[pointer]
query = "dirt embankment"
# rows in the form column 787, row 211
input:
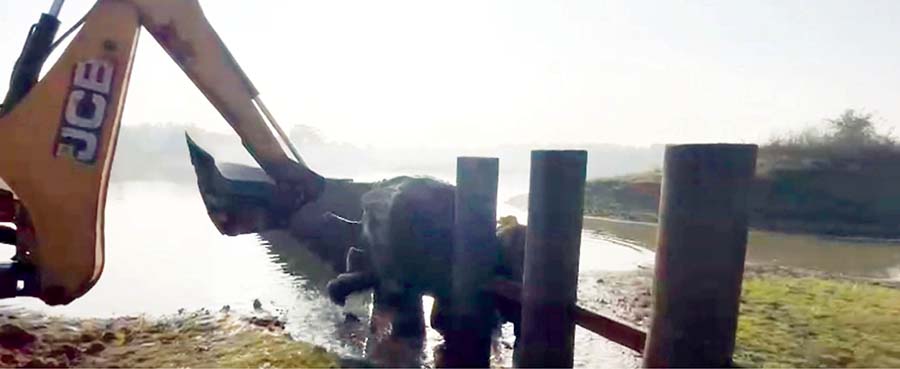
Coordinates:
column 197, row 339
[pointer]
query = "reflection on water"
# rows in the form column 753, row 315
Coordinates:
column 163, row 254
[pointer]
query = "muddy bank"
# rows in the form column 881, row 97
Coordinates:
column 789, row 317
column 627, row 295
column 195, row 339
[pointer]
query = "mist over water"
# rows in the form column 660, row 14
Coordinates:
column 159, row 152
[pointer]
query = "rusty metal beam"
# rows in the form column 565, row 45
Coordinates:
column 610, row 328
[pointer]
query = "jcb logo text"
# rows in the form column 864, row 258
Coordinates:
column 85, row 111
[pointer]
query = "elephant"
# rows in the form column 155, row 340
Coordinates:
column 405, row 250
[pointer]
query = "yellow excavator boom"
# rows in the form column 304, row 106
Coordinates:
column 58, row 142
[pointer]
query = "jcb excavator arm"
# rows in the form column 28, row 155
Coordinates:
column 183, row 31
column 58, row 142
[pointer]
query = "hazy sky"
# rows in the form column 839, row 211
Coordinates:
column 477, row 73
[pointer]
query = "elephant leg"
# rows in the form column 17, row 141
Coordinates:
column 440, row 316
column 405, row 308
column 510, row 311
column 348, row 283
column 409, row 320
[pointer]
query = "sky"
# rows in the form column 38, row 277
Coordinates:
column 485, row 73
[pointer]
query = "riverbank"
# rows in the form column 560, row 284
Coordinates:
column 832, row 201
column 196, row 339
column 790, row 317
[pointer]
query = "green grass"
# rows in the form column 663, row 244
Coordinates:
column 805, row 322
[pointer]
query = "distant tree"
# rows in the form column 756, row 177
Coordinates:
column 851, row 129
column 808, row 137
column 855, row 129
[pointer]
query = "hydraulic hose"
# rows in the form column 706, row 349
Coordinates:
column 28, row 67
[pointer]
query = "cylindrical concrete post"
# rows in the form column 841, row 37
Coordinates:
column 555, row 205
column 701, row 246
column 475, row 252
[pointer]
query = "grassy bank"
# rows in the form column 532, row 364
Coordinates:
column 789, row 317
column 811, row 322
column 199, row 339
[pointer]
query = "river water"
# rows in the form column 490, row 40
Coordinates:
column 860, row 257
column 163, row 254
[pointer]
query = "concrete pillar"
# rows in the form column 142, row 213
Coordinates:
column 700, row 254
column 475, row 253
column 549, row 286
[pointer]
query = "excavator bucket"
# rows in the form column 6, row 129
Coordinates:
column 238, row 198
